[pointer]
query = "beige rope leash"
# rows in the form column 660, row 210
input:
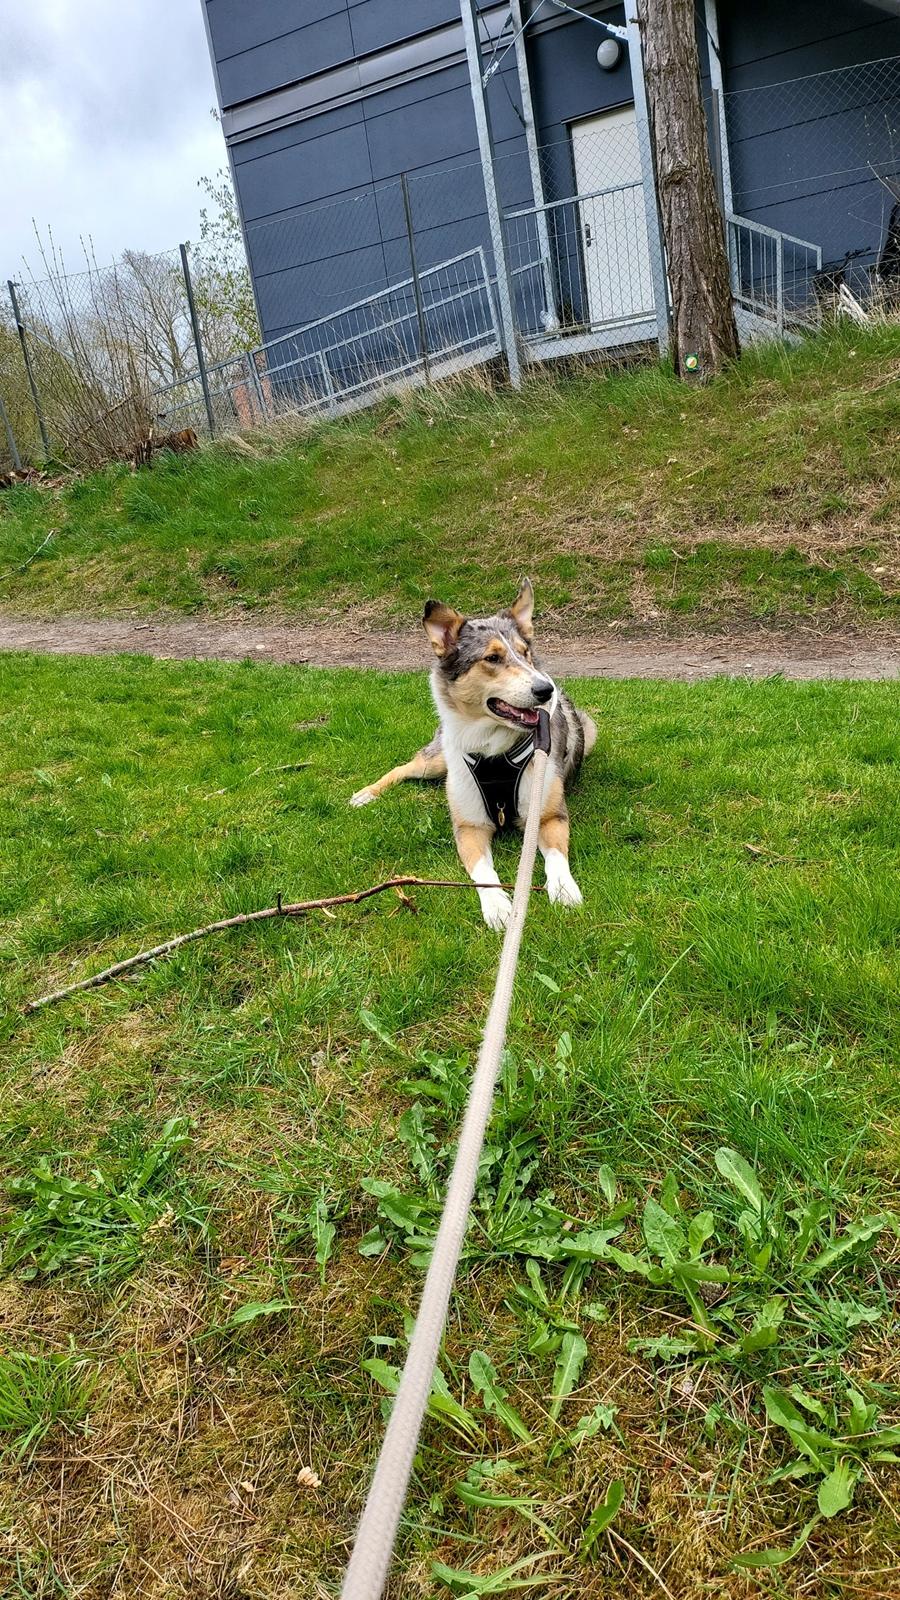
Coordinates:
column 368, row 1568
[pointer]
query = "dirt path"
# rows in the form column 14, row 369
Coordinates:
column 606, row 654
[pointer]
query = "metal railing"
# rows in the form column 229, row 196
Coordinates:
column 592, row 288
column 440, row 321
column 430, row 322
column 773, row 274
column 232, row 394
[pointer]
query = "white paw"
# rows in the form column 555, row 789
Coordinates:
column 564, row 892
column 495, row 908
column 561, row 886
column 362, row 797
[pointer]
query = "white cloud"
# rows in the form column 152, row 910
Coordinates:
column 106, row 126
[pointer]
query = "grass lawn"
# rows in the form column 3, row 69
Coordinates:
column 773, row 492
column 222, row 1178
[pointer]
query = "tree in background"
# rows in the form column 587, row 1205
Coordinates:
column 222, row 286
column 112, row 347
column 704, row 334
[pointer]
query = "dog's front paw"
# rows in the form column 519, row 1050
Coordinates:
column 561, row 886
column 362, row 797
column 495, row 908
column 565, row 893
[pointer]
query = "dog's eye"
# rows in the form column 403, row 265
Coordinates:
column 494, row 658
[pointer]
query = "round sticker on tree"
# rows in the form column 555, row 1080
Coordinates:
column 691, row 363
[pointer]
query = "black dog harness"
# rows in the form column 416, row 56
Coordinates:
column 498, row 779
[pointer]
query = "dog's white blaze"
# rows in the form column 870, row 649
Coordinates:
column 561, row 886
column 526, row 666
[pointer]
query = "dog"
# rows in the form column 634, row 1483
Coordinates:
column 488, row 687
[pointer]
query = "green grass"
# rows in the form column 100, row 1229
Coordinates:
column 730, row 985
column 773, row 492
column 38, row 1394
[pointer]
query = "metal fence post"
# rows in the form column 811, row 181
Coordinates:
column 257, row 385
column 469, row 15
column 198, row 343
column 252, row 406
column 328, row 384
column 20, row 328
column 551, row 320
column 10, row 437
column 717, row 85
column 648, row 168
column 417, row 287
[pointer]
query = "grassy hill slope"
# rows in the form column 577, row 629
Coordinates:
column 626, row 496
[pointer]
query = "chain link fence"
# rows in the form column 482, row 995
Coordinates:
column 581, row 258
column 20, row 439
column 819, row 157
column 93, row 349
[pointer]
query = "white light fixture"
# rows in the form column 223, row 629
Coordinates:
column 609, row 54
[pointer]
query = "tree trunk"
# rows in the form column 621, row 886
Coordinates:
column 704, row 335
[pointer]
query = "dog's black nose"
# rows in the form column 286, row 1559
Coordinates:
column 543, row 691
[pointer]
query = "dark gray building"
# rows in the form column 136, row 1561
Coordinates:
column 327, row 103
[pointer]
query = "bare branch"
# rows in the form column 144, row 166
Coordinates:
column 297, row 909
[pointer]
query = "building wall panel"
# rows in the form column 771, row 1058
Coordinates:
column 239, row 25
column 299, row 54
column 377, row 23
column 312, row 170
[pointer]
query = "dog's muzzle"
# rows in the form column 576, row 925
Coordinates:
column 544, row 694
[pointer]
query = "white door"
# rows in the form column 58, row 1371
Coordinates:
column 613, row 225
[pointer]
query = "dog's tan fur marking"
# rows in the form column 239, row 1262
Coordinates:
column 473, row 842
column 504, row 680
column 554, row 834
column 522, row 609
column 425, row 766
column 442, row 624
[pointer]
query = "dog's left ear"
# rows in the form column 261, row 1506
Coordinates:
column 522, row 609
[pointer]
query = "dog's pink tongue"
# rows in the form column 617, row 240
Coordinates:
column 518, row 713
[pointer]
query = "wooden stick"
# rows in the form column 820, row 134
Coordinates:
column 297, row 909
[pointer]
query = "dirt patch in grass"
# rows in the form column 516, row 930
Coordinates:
column 795, row 652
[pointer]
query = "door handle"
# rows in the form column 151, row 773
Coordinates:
column 588, row 236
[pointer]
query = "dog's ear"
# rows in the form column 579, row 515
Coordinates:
column 522, row 609
column 442, row 625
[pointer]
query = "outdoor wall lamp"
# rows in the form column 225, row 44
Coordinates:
column 609, row 54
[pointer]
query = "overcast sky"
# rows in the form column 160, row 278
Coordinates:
column 105, row 126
